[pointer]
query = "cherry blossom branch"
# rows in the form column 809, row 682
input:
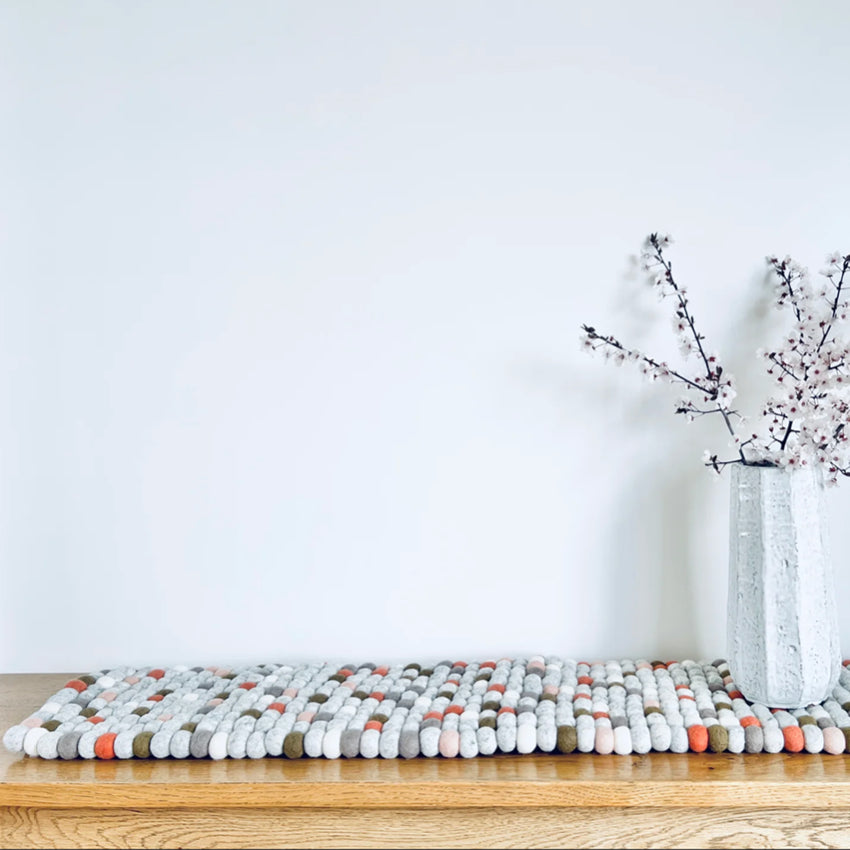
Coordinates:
column 845, row 265
column 806, row 421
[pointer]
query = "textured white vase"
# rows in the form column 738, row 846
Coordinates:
column 783, row 639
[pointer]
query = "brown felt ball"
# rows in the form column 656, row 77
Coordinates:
column 489, row 722
column 807, row 720
column 51, row 725
column 718, row 738
column 188, row 727
column 89, row 680
column 88, row 712
column 251, row 712
column 337, row 677
column 491, row 706
column 379, row 718
column 293, row 745
column 360, row 695
column 567, row 739
column 142, row 745
column 319, row 698
column 580, row 711
column 141, row 711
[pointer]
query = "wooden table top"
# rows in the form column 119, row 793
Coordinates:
column 586, row 780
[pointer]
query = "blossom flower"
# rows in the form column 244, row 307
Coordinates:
column 805, row 421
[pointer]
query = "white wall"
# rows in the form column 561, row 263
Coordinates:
column 290, row 302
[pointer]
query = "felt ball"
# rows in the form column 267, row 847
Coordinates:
column 698, row 738
column 774, row 740
column 429, row 741
column 737, row 739
column 388, row 745
column 506, row 734
column 198, row 744
column 833, row 740
column 408, row 745
column 794, row 740
column 526, row 735
column 547, row 737
column 753, row 738
column 679, row 742
column 350, row 742
column 141, row 744
column 370, row 741
column 567, row 739
column 47, row 746
column 179, row 745
column 718, row 738
column 13, row 739
column 604, row 740
column 487, row 744
column 622, row 740
column 449, row 743
column 104, row 746
column 813, row 740
column 331, row 741
column 160, row 745
column 217, row 745
column 313, row 740
column 641, row 740
column 468, row 743
column 86, row 744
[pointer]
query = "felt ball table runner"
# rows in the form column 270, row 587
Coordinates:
column 448, row 709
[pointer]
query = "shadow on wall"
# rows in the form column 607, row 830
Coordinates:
column 667, row 510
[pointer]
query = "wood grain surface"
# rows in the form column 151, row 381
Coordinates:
column 404, row 828
column 656, row 800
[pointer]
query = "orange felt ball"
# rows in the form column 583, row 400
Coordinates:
column 794, row 740
column 698, row 738
column 104, row 746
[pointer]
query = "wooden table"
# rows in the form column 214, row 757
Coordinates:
column 656, row 800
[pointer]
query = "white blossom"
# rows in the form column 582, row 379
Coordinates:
column 806, row 420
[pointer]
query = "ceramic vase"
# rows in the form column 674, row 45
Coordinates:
column 782, row 628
